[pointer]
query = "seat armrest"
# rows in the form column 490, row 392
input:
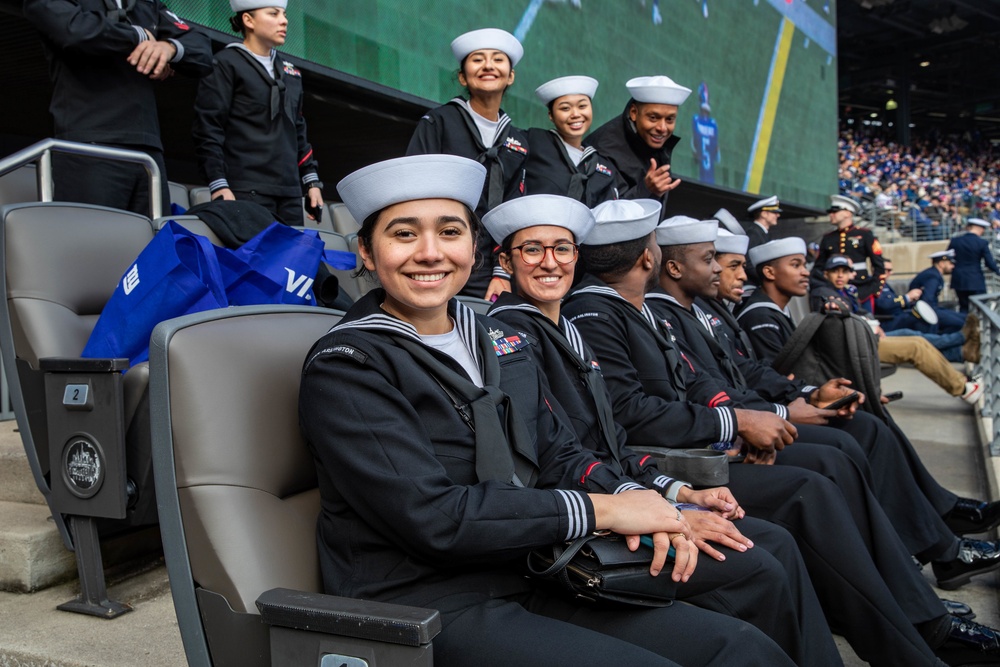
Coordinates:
column 349, row 617
column 81, row 365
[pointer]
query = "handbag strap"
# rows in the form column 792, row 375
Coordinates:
column 563, row 559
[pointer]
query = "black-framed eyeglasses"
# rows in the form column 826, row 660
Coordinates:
column 534, row 253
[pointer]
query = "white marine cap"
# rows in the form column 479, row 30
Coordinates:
column 383, row 184
column 682, row 230
column 729, row 242
column 727, row 220
column 487, row 38
column 792, row 245
column 249, row 5
column 942, row 253
column 657, row 90
column 842, row 203
column 622, row 220
column 566, row 85
column 978, row 222
column 768, row 204
column 533, row 210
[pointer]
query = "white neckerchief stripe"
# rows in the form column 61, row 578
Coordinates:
column 576, row 514
column 573, row 336
column 764, row 304
column 705, row 320
column 465, row 323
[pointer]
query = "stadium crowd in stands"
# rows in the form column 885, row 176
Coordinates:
column 928, row 188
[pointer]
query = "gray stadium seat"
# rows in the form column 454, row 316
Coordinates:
column 343, row 222
column 798, row 308
column 478, row 305
column 20, row 185
column 62, row 262
column 179, row 195
column 199, row 195
column 192, row 223
column 238, row 501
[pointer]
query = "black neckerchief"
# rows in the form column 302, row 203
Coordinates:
column 569, row 341
column 277, row 83
column 489, row 156
column 504, row 448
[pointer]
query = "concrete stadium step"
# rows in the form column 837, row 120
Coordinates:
column 16, row 481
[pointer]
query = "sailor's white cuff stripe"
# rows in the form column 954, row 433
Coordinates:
column 780, row 410
column 629, row 486
column 727, row 424
column 500, row 273
column 576, row 512
column 674, row 489
column 180, row 51
column 218, row 184
column 662, row 481
column 142, row 34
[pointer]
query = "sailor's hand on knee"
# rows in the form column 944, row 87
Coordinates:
column 685, row 557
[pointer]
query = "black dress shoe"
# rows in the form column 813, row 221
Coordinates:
column 969, row 643
column 974, row 557
column 973, row 516
column 956, row 608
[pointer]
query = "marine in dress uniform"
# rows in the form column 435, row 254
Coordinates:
column 931, row 281
column 559, row 165
column 249, row 130
column 971, row 252
column 643, row 133
column 438, row 506
column 655, row 400
column 100, row 97
column 456, row 129
column 860, row 245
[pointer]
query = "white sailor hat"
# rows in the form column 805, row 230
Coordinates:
column 837, row 261
column 682, row 230
column 533, row 210
column 727, row 220
column 249, row 5
column 768, row 204
column 657, row 90
column 383, row 184
column 842, row 203
column 729, row 242
column 941, row 254
column 566, row 85
column 622, row 220
column 487, row 38
column 792, row 245
column 978, row 222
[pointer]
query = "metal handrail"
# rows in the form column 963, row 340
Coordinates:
column 41, row 153
column 985, row 306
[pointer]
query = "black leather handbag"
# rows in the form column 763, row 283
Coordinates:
column 599, row 568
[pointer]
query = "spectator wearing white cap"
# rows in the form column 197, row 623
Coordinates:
column 663, row 399
column 249, row 128
column 931, row 283
column 437, row 507
column 971, row 252
column 640, row 141
column 559, row 163
column 860, row 245
column 477, row 128
column 764, row 214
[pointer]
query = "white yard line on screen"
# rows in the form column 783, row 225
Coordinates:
column 521, row 31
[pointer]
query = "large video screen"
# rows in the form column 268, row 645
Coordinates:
column 761, row 117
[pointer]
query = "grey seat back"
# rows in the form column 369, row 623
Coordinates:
column 192, row 223
column 345, row 277
column 20, row 185
column 200, row 195
column 236, row 485
column 343, row 222
column 62, row 263
column 179, row 195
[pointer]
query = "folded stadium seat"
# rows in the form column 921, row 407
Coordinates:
column 20, row 185
column 326, row 222
column 84, row 426
column 343, row 222
column 475, row 303
column 199, row 196
column 798, row 308
column 238, row 498
column 179, row 195
column 366, row 282
column 192, row 223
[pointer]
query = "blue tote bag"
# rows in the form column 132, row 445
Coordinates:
column 277, row 266
column 176, row 273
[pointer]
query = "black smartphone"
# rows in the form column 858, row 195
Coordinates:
column 315, row 212
column 893, row 396
column 843, row 402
